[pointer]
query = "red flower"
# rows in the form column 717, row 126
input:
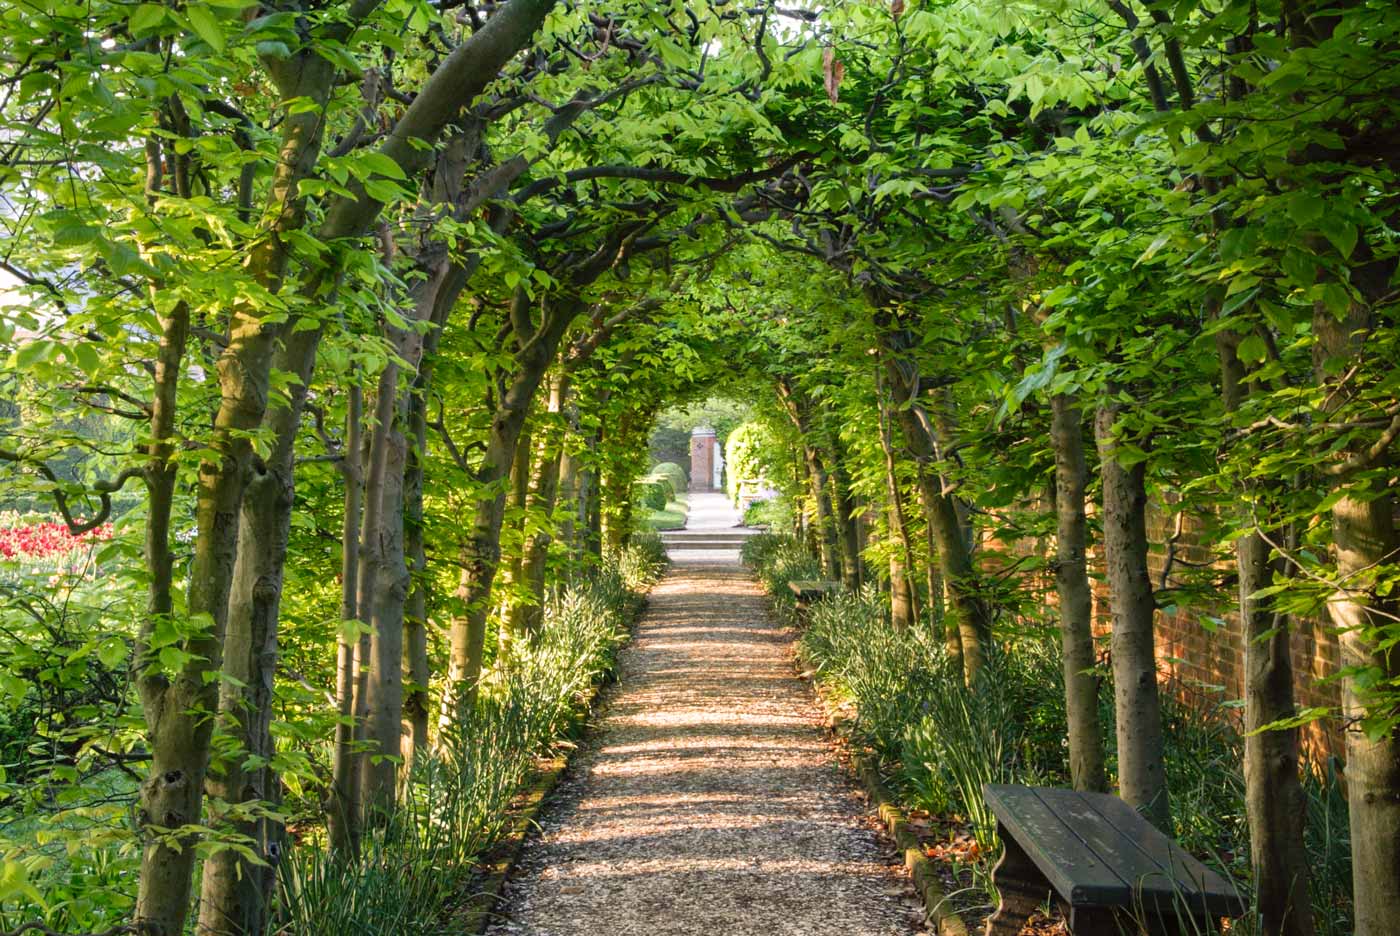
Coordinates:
column 42, row 540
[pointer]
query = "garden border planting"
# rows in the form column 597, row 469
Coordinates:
column 937, row 909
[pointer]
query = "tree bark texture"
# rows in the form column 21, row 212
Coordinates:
column 1142, row 780
column 904, row 610
column 844, row 502
column 342, row 802
column 1275, row 804
column 1086, row 742
column 1364, row 540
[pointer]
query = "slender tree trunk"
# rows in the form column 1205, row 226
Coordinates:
column 971, row 615
column 232, row 896
column 384, row 574
column 481, row 553
column 527, row 615
column 415, row 701
column 342, row 804
column 825, row 523
column 1142, row 778
column 384, row 691
column 161, row 478
column 1086, row 743
column 904, row 610
column 1276, row 806
column 1365, row 542
column 616, row 500
column 571, row 495
column 938, row 599
column 844, row 503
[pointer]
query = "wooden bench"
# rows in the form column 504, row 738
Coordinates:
column 1110, row 869
column 810, row 591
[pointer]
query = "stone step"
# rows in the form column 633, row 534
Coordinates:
column 704, row 544
column 681, row 536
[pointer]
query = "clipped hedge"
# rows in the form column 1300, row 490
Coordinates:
column 672, row 472
column 653, row 494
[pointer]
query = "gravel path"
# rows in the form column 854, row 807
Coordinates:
column 709, row 802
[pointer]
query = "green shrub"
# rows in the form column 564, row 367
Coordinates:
column 643, row 560
column 672, row 472
column 776, row 560
column 654, row 495
column 774, row 513
column 745, row 455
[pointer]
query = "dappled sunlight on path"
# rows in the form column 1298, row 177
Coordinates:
column 709, row 802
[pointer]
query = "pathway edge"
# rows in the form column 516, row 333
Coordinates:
column 938, row 910
column 480, row 907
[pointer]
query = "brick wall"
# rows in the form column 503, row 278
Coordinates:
column 1200, row 644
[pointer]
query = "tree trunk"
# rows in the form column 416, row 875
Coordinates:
column 415, row 703
column 1276, row 806
column 232, row 892
column 904, row 610
column 970, row 614
column 481, row 553
column 845, row 505
column 161, row 478
column 1142, row 778
column 825, row 523
column 527, row 615
column 1086, row 743
column 1365, row 542
column 384, row 693
column 343, row 802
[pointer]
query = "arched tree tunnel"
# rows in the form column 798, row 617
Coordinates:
column 1065, row 334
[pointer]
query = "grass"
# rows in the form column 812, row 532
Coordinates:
column 673, row 517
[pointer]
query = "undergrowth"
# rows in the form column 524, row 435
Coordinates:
column 939, row 741
column 415, row 869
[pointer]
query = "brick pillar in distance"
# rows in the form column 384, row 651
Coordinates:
column 702, row 458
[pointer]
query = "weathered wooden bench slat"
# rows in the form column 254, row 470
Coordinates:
column 1073, row 870
column 1101, row 858
column 808, row 591
column 1179, row 873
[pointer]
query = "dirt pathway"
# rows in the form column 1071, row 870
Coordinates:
column 709, row 802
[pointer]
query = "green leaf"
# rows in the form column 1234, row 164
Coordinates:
column 112, row 651
column 1340, row 231
column 146, row 17
column 1305, row 208
column 379, row 164
column 339, row 56
column 172, row 658
column 206, row 26
column 1252, row 350
column 1157, row 244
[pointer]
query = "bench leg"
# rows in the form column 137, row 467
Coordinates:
column 1172, row 925
column 1100, row 921
column 1022, row 888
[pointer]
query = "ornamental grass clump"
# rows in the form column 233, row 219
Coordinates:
column 416, row 865
column 643, row 560
column 777, row 560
